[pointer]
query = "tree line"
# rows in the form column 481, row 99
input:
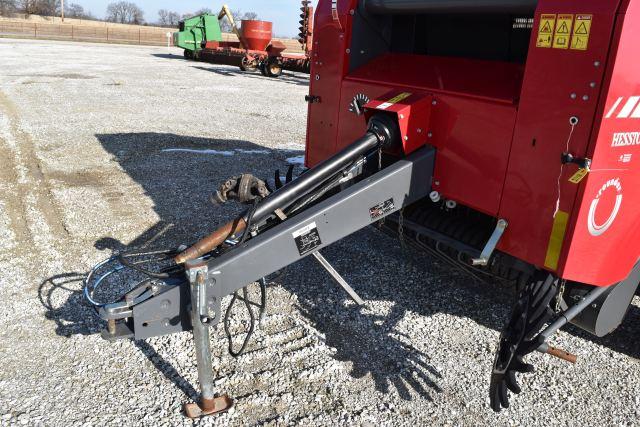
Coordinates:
column 43, row 7
column 123, row 12
column 170, row 18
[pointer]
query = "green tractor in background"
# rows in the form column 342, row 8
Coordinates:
column 194, row 32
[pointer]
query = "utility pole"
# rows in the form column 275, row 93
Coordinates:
column 62, row 9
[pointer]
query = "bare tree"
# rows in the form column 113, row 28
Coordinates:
column 124, row 12
column 168, row 18
column 202, row 11
column 250, row 15
column 198, row 12
column 74, row 10
column 225, row 26
column 39, row 7
column 7, row 7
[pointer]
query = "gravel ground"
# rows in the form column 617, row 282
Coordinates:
column 102, row 147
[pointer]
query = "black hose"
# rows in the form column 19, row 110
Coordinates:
column 165, row 273
column 252, row 322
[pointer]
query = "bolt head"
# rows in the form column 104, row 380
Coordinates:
column 574, row 96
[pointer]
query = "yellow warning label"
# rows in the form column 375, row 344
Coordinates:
column 394, row 100
column 581, row 32
column 545, row 32
column 579, row 175
column 398, row 98
column 554, row 249
column 564, row 24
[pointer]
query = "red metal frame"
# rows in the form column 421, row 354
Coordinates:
column 500, row 130
column 230, row 53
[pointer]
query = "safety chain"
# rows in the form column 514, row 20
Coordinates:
column 401, row 230
column 560, row 295
column 381, row 222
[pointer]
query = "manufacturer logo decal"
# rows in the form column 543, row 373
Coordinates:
column 625, row 110
column 625, row 158
column 624, row 139
column 599, row 229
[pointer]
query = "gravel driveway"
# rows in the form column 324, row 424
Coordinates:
column 104, row 147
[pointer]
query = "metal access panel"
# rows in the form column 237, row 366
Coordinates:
column 350, row 210
column 565, row 73
column 603, row 240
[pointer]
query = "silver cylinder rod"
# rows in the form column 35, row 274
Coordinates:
column 572, row 312
column 409, row 7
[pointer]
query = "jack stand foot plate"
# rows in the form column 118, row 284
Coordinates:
column 213, row 406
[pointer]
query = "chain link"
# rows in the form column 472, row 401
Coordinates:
column 560, row 295
column 381, row 222
column 401, row 230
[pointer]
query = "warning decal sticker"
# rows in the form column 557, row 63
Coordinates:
column 545, row 32
column 307, row 238
column 381, row 209
column 564, row 25
column 579, row 176
column 581, row 32
column 394, row 100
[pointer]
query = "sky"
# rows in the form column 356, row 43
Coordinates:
column 283, row 13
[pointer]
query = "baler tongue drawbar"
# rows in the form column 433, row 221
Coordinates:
column 182, row 289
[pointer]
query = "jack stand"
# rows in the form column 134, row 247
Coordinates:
column 209, row 405
column 338, row 278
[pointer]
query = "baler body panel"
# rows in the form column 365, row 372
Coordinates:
column 557, row 86
column 500, row 127
column 467, row 122
column 605, row 241
column 328, row 67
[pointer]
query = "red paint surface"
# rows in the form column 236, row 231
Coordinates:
column 500, row 129
column 256, row 34
column 545, row 107
column 608, row 257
